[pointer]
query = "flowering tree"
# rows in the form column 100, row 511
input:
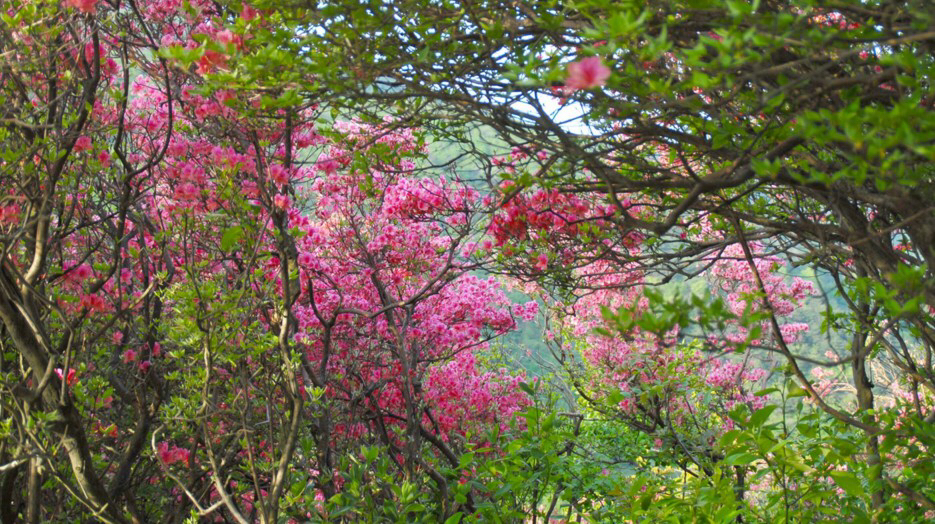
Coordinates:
column 209, row 303
column 797, row 130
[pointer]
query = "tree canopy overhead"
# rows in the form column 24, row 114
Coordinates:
column 713, row 105
column 804, row 127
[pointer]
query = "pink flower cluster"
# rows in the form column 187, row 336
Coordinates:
column 9, row 214
column 732, row 274
column 382, row 264
column 469, row 400
column 85, row 6
column 170, row 455
column 587, row 73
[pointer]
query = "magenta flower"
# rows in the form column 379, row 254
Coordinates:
column 225, row 37
column 85, row 6
column 187, row 191
column 82, row 144
column 79, row 274
column 542, row 262
column 248, row 13
column 69, row 377
column 279, row 174
column 171, row 455
column 587, row 73
column 305, row 259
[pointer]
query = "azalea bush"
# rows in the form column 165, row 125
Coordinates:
column 722, row 140
column 211, row 303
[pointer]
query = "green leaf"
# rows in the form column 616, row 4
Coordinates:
column 761, row 415
column 764, row 392
column 740, row 459
column 465, row 460
column 796, row 391
column 849, row 482
column 230, row 237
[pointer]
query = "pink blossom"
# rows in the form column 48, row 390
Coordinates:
column 329, row 166
column 129, row 356
column 187, row 191
column 281, row 201
column 9, row 214
column 210, row 61
column 171, row 455
column 279, row 174
column 93, row 303
column 248, row 13
column 85, row 6
column 89, row 51
column 82, row 144
column 587, row 73
column 225, row 37
column 79, row 274
column 70, row 378
column 527, row 311
column 542, row 262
